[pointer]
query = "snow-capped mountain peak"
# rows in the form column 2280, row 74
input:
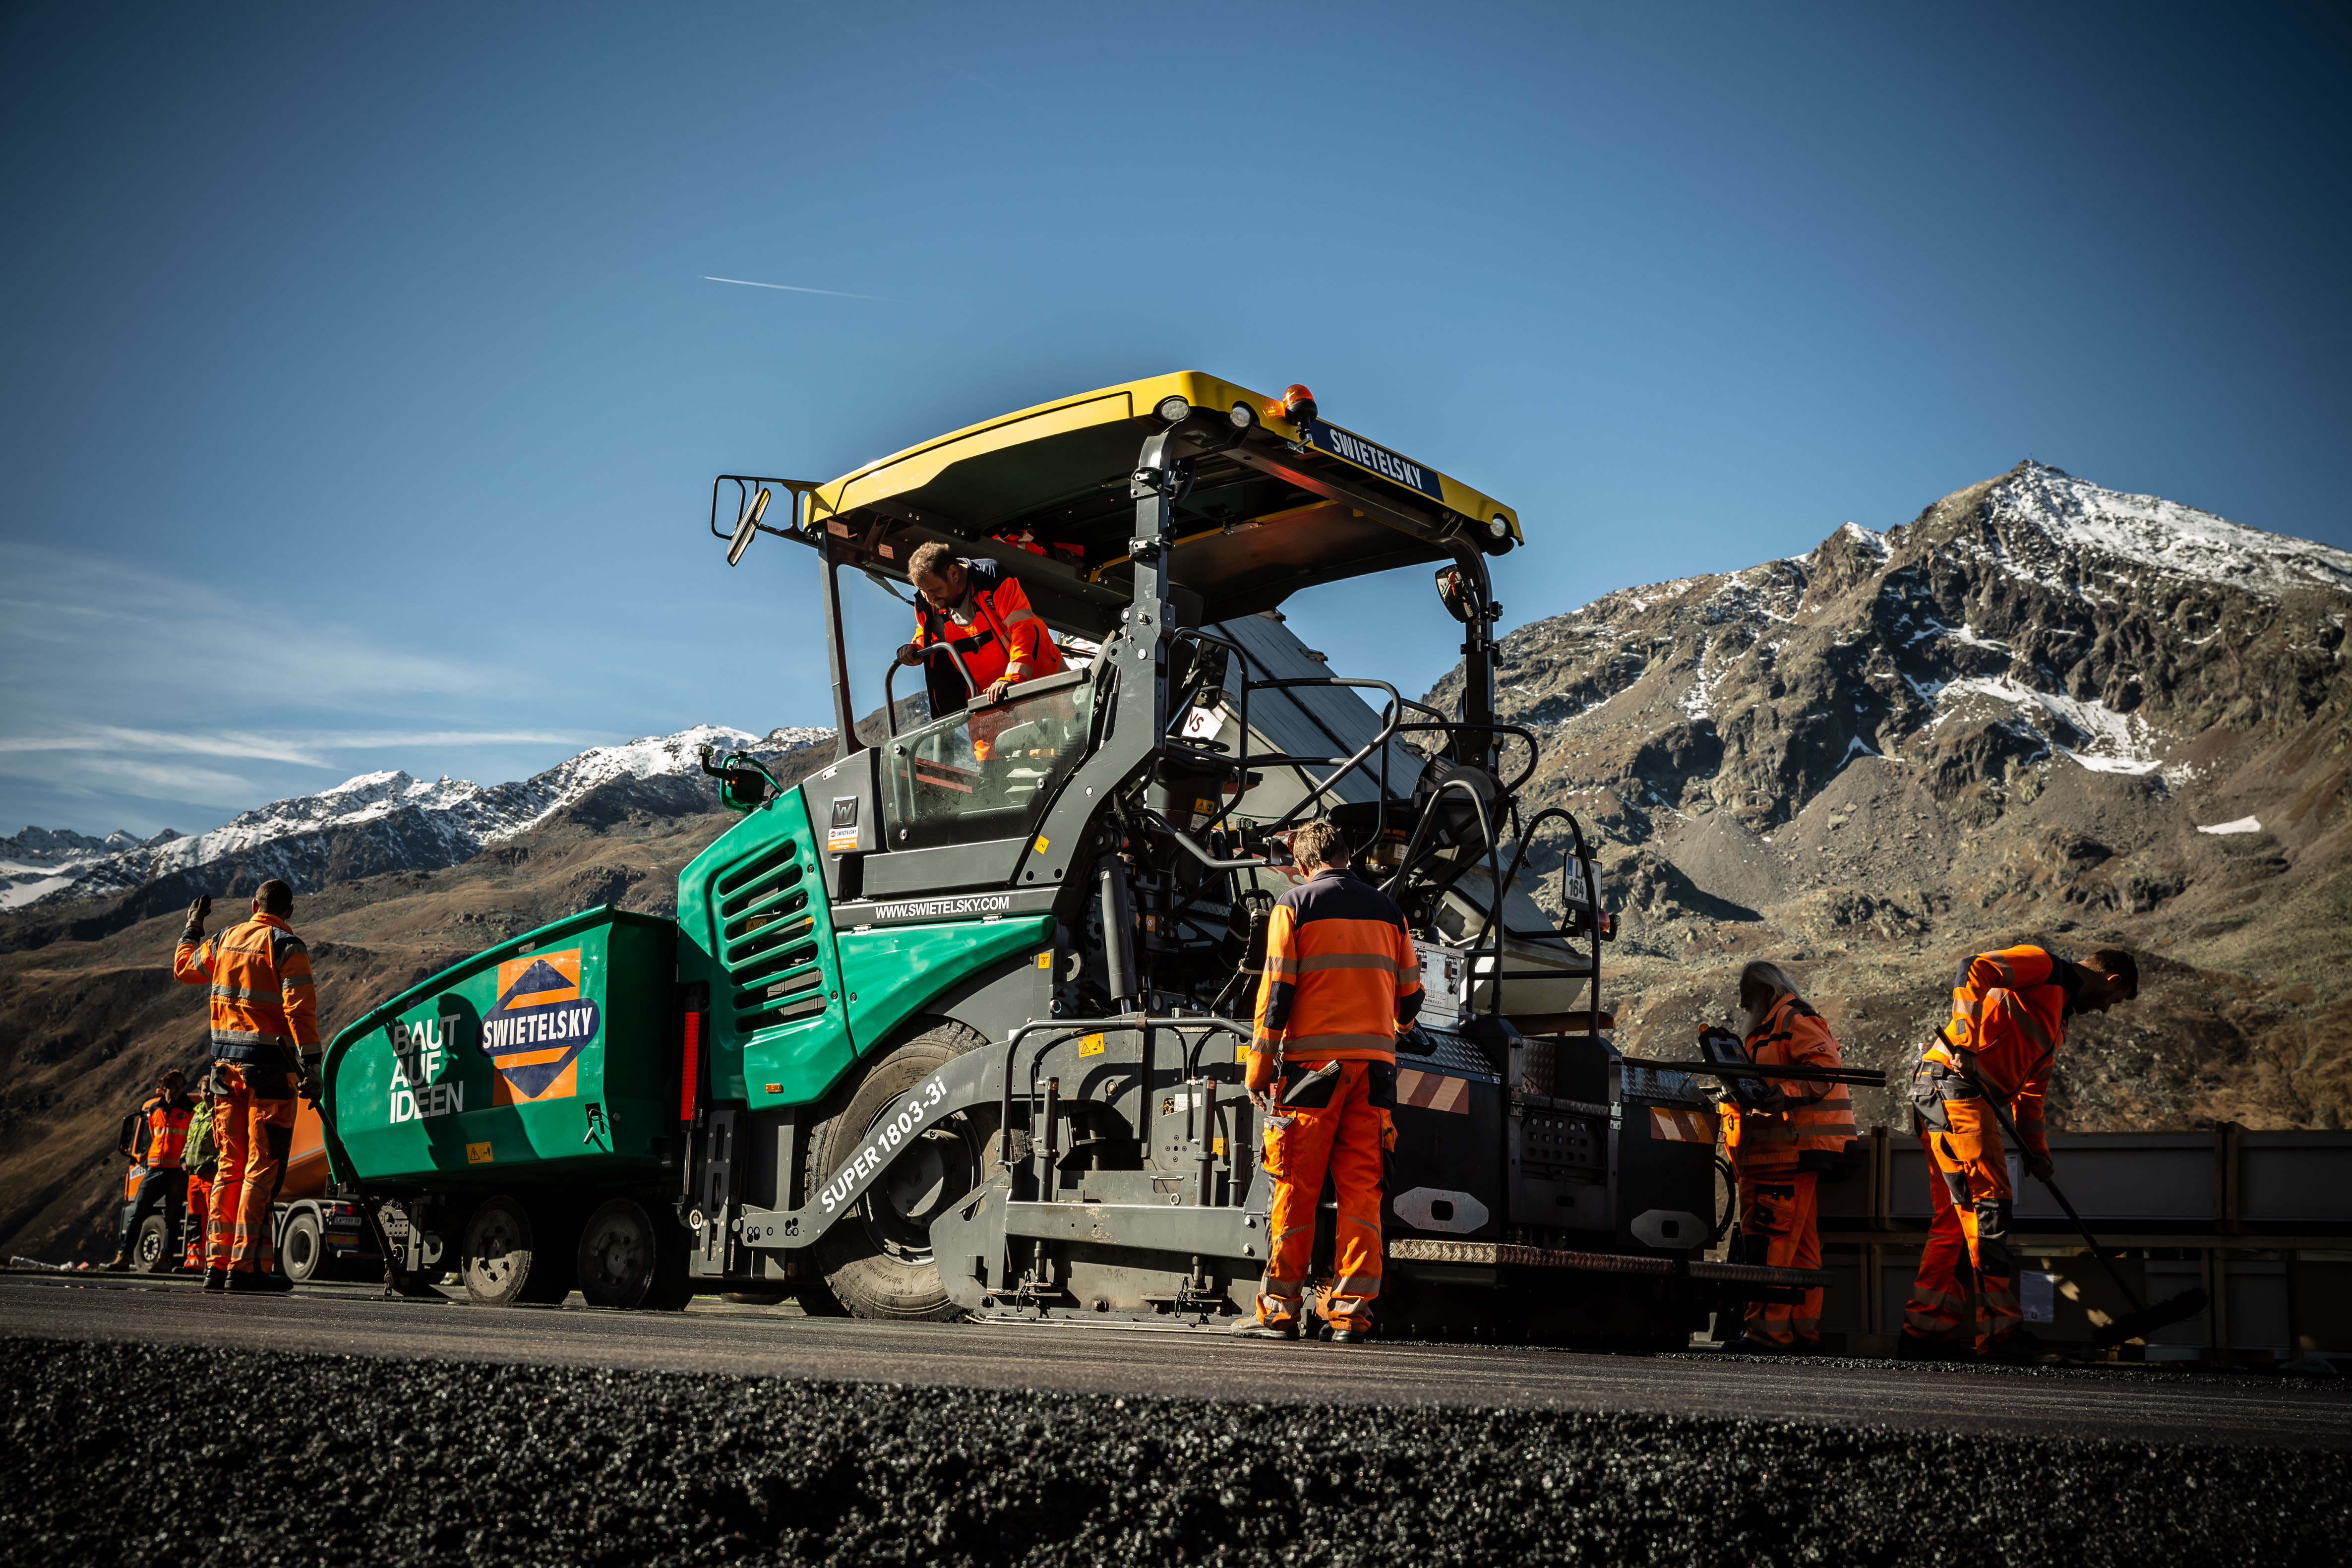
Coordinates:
column 2077, row 515
column 406, row 821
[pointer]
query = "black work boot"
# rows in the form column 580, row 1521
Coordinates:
column 215, row 1279
column 1251, row 1329
column 258, row 1284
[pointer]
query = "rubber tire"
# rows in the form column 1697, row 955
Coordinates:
column 859, row 1274
column 150, row 1248
column 617, row 1256
column 302, row 1250
column 502, row 1261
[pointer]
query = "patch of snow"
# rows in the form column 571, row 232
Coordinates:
column 2107, row 742
column 2244, row 825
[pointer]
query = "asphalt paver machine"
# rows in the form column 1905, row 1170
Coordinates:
column 953, row 1025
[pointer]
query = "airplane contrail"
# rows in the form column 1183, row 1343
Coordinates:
column 791, row 288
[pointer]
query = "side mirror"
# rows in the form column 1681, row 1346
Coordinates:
column 747, row 525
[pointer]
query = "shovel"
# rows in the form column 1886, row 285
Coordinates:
column 2140, row 1321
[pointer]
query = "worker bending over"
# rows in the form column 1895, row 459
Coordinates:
column 159, row 1184
column 975, row 630
column 1780, row 1144
column 1342, row 978
column 265, row 1032
column 2009, row 1017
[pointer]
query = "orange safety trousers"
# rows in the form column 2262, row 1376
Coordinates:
column 1968, row 1184
column 253, row 1134
column 1344, row 1133
column 199, row 1221
column 1777, row 1205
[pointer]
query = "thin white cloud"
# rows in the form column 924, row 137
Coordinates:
column 153, row 781
column 792, row 288
column 303, row 752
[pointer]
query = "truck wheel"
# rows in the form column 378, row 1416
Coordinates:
column 876, row 1259
column 622, row 1259
column 501, row 1260
column 150, row 1250
column 302, row 1250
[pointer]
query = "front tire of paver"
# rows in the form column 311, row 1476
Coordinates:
column 303, row 1251
column 500, row 1259
column 876, row 1259
column 619, row 1254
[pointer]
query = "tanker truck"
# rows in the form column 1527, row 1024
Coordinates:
column 951, row 1028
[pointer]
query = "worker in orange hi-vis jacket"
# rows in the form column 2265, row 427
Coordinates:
column 157, row 1182
column 977, row 635
column 1342, row 977
column 265, row 1029
column 2009, row 1017
column 1779, row 1143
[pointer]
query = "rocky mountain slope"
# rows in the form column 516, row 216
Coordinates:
column 2039, row 710
column 42, row 860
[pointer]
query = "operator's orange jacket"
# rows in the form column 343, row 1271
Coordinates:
column 165, row 1124
column 1341, row 973
column 1820, row 1117
column 2009, row 1018
column 263, row 1008
column 1005, row 637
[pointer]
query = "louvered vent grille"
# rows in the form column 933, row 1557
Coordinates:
column 763, row 927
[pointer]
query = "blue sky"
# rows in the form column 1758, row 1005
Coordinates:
column 362, row 386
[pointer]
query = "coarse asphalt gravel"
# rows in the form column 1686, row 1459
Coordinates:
column 166, row 1448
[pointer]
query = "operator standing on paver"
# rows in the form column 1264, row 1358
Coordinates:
column 982, row 614
column 161, row 1183
column 264, row 1028
column 1770, row 1142
column 2009, row 1017
column 1342, row 978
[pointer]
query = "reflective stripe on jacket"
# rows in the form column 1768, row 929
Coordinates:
column 1819, row 1116
column 1341, row 975
column 2009, row 1018
column 263, row 1005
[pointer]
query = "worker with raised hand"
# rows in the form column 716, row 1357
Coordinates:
column 160, row 1183
column 977, row 610
column 1781, row 1140
column 264, row 1034
column 1342, row 978
column 2009, row 1017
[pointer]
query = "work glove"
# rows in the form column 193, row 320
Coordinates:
column 1772, row 1100
column 194, row 929
column 306, row 1080
column 908, row 654
column 2039, row 1167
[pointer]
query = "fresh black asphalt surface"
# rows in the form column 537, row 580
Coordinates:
column 151, row 1421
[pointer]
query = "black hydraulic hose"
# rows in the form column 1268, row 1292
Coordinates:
column 1593, row 914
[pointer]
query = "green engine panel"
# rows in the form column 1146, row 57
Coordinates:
column 793, row 1004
